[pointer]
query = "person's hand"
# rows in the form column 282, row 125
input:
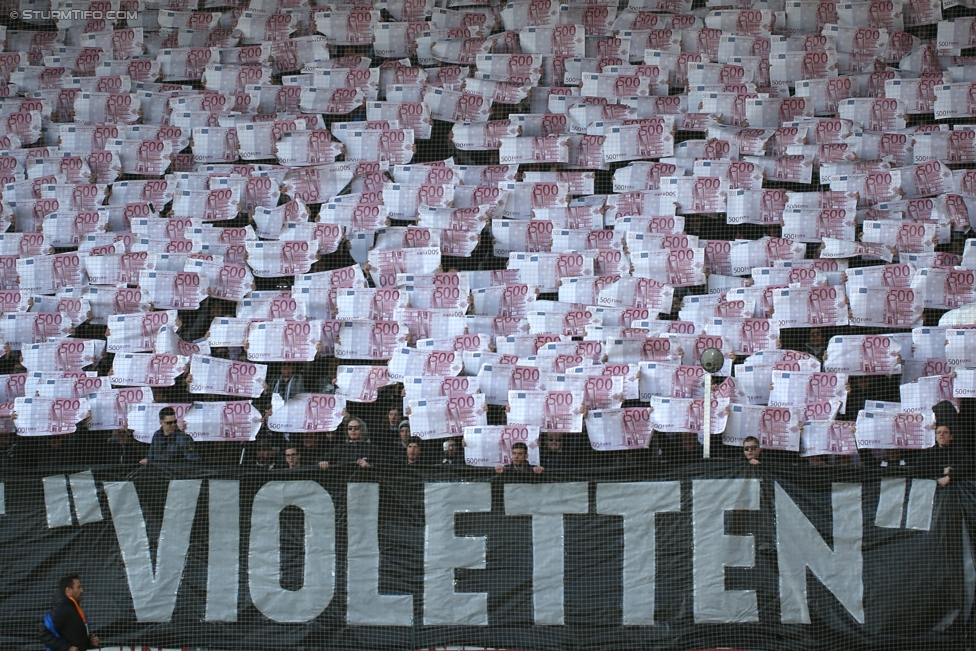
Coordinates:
column 323, row 465
column 143, row 462
column 95, row 641
column 363, row 463
column 754, row 462
column 943, row 481
column 947, row 471
column 499, row 469
column 538, row 470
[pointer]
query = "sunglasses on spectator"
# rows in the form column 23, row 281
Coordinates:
column 169, row 422
column 353, row 427
column 750, row 448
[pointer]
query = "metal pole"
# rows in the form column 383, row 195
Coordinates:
column 707, row 440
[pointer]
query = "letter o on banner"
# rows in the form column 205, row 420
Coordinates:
column 264, row 565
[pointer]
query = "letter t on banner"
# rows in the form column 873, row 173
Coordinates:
column 638, row 503
column 714, row 550
column 443, row 552
column 547, row 504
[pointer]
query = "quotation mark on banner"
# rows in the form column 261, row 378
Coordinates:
column 891, row 504
column 61, row 491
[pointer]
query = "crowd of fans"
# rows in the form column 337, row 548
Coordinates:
column 380, row 440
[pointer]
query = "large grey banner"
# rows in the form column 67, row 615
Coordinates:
column 723, row 555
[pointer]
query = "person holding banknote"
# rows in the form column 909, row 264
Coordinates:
column 169, row 442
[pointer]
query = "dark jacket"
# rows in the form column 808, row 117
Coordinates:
column 932, row 462
column 69, row 625
column 527, row 469
column 178, row 446
column 123, row 454
column 553, row 461
column 348, row 453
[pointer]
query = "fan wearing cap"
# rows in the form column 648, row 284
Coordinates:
column 397, row 450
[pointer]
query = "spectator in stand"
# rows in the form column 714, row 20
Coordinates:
column 169, row 443
column 453, row 452
column 327, row 448
column 265, row 457
column 944, row 461
column 328, row 382
column 816, row 344
column 751, row 451
column 122, row 449
column 289, row 382
column 415, row 453
column 390, row 430
column 554, row 456
column 293, row 457
column 398, row 450
column 520, row 461
column 387, row 439
column 356, row 451
column 313, row 446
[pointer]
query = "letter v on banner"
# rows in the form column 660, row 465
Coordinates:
column 153, row 590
